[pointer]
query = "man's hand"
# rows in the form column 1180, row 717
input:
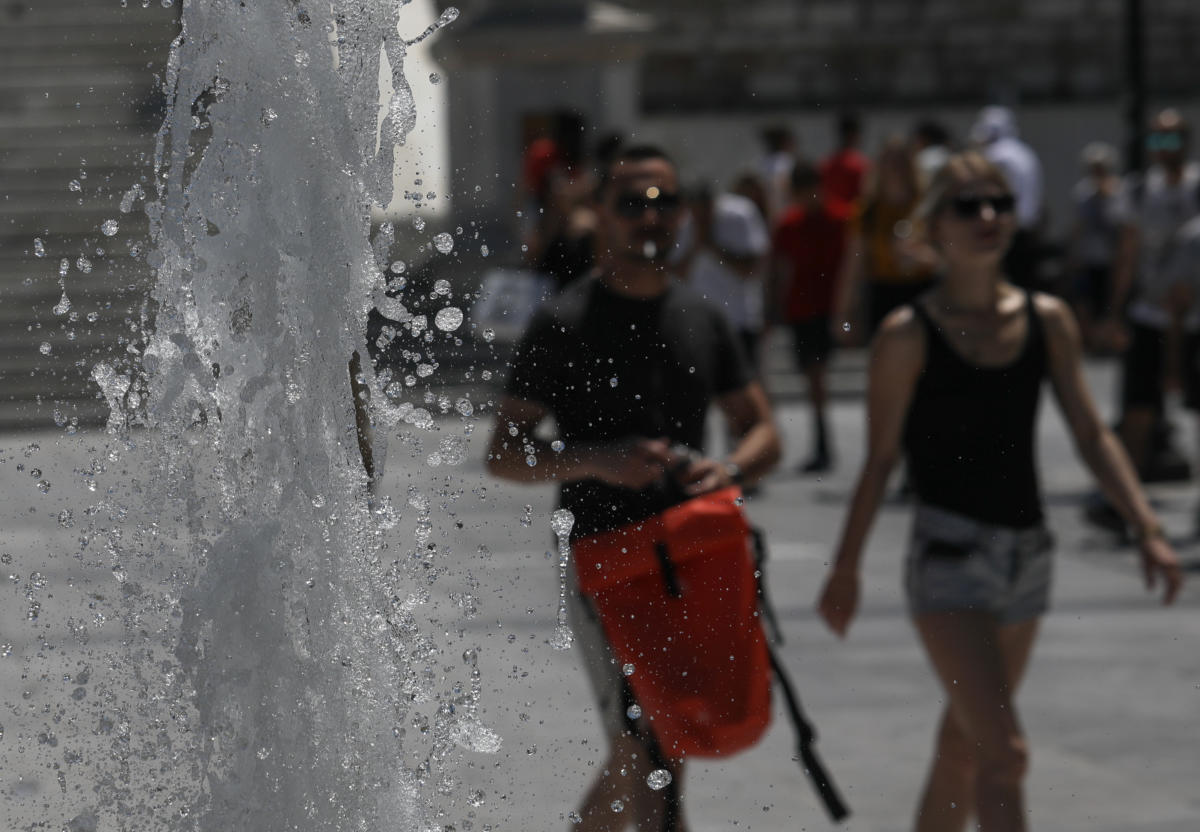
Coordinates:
column 703, row 474
column 1159, row 559
column 631, row 463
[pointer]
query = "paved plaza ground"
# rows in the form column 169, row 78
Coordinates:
column 1112, row 701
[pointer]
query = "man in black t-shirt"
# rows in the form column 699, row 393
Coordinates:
column 627, row 362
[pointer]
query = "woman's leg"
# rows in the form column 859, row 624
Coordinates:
column 981, row 757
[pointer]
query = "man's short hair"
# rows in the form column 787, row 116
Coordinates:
column 632, row 153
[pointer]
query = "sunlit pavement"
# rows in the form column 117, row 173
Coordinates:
column 1111, row 703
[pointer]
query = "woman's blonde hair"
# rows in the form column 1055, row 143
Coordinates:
column 960, row 168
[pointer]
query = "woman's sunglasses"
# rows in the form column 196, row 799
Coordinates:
column 968, row 207
column 633, row 205
column 1167, row 141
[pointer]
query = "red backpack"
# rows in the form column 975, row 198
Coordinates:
column 680, row 600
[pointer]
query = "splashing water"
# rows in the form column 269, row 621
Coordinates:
column 272, row 650
column 561, row 522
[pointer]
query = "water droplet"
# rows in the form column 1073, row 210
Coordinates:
column 448, row 319
column 269, row 116
column 845, row 326
column 634, row 712
column 489, row 335
column 443, row 242
column 109, row 228
column 527, row 515
column 531, row 460
column 572, row 815
column 434, row 78
column 39, row 248
column 64, row 266
column 612, row 382
column 627, row 669
column 476, row 798
column 63, row 306
column 93, row 317
column 658, row 779
column 74, row 186
column 419, row 223
column 441, row 287
column 398, row 267
column 128, row 198
column 464, row 407
column 65, row 518
column 561, row 522
column 45, row 348
column 83, row 264
column 483, row 250
column 557, row 446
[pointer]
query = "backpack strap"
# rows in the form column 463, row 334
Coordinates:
column 806, row 735
column 673, row 806
column 806, row 738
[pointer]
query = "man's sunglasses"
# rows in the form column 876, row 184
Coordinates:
column 633, row 205
column 968, row 207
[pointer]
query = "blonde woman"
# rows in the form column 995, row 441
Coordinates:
column 955, row 379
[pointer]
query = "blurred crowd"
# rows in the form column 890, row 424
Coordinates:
column 823, row 249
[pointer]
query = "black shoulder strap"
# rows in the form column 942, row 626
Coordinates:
column 806, row 735
column 671, row 797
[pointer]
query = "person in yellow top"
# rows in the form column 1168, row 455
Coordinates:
column 883, row 256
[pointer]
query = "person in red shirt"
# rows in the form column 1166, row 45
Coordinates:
column 807, row 249
column 844, row 173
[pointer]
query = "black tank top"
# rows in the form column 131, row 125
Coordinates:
column 969, row 435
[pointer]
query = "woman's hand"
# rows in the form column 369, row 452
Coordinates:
column 1159, row 559
column 839, row 600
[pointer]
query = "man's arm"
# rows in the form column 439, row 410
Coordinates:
column 758, row 450
column 633, row 463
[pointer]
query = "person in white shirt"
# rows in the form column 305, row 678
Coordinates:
column 727, row 267
column 995, row 134
column 1095, row 235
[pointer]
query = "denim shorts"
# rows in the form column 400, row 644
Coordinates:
column 955, row 563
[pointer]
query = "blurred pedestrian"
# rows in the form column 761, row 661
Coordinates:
column 844, row 172
column 807, row 250
column 751, row 186
column 883, row 255
column 627, row 363
column 1095, row 237
column 955, row 380
column 780, row 152
column 931, row 148
column 728, row 267
column 561, row 241
column 995, row 134
column 1156, row 207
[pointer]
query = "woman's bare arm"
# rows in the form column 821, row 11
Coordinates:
column 896, row 362
column 1099, row 447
